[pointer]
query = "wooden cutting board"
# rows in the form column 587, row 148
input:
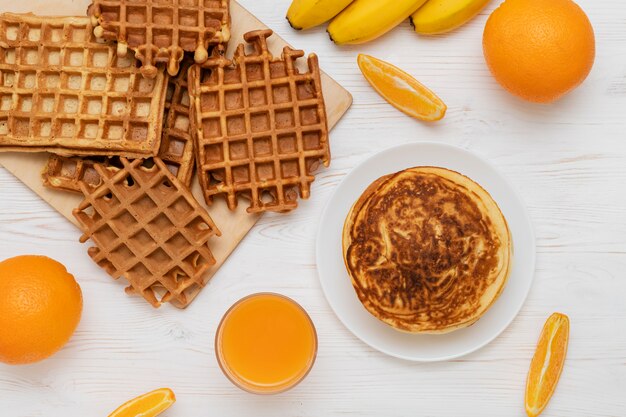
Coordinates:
column 235, row 225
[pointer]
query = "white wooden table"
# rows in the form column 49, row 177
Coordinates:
column 568, row 160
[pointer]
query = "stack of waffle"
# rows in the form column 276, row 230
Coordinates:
column 130, row 99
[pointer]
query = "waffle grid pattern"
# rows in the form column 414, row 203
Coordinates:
column 260, row 126
column 161, row 30
column 176, row 150
column 63, row 91
column 177, row 142
column 65, row 172
column 148, row 228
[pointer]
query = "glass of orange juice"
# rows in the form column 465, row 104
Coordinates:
column 266, row 343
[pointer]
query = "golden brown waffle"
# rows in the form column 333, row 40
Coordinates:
column 260, row 125
column 63, row 91
column 177, row 141
column 66, row 172
column 147, row 228
column 176, row 150
column 162, row 30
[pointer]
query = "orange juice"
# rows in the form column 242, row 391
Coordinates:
column 266, row 343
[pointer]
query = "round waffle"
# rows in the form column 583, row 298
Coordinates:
column 427, row 249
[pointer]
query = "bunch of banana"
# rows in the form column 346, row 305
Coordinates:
column 364, row 20
column 305, row 14
column 359, row 21
column 439, row 16
column 355, row 21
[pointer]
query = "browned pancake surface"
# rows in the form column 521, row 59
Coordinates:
column 423, row 251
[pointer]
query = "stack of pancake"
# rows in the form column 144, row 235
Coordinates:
column 427, row 249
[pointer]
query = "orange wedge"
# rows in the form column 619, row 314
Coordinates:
column 547, row 364
column 401, row 90
column 150, row 404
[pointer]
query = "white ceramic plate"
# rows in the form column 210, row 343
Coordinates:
column 336, row 281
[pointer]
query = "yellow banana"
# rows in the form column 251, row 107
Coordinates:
column 439, row 16
column 364, row 20
column 305, row 14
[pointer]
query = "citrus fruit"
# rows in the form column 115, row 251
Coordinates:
column 40, row 307
column 539, row 50
column 547, row 363
column 401, row 90
column 150, row 404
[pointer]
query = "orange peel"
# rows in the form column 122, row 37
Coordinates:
column 401, row 90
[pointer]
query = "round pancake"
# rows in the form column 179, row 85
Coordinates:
column 427, row 249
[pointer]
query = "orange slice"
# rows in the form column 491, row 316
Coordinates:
column 401, row 90
column 150, row 404
column 547, row 364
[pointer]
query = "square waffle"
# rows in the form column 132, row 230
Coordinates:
column 63, row 91
column 66, row 172
column 162, row 30
column 260, row 125
column 176, row 145
column 147, row 228
column 177, row 140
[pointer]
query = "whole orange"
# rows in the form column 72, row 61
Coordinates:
column 40, row 307
column 539, row 49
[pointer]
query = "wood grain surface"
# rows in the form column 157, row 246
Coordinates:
column 568, row 161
